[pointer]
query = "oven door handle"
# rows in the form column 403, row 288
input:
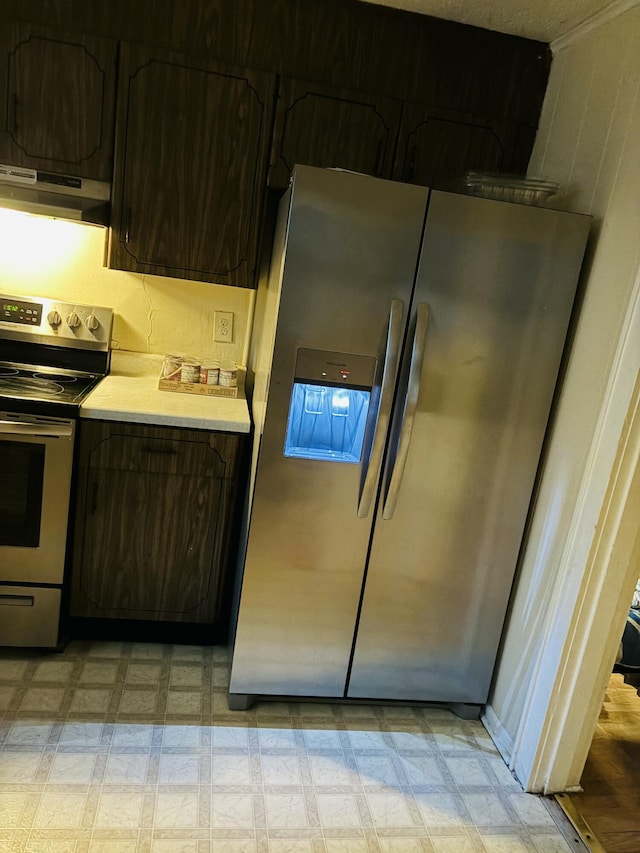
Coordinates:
column 21, row 428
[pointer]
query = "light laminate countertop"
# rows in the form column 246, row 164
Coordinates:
column 130, row 393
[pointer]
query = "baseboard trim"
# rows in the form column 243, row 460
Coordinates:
column 498, row 733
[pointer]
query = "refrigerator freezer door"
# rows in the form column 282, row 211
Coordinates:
column 500, row 281
column 350, row 255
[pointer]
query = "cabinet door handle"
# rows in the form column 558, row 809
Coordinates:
column 94, row 498
column 412, row 164
column 127, row 226
column 168, row 452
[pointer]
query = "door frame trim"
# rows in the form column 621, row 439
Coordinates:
column 578, row 650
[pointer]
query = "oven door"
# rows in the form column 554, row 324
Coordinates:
column 36, row 456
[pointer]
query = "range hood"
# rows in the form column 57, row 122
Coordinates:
column 52, row 194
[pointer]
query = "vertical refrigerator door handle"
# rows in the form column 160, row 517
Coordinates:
column 410, row 405
column 389, row 373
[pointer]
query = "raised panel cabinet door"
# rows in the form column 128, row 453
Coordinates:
column 438, row 147
column 318, row 125
column 59, row 95
column 190, row 168
column 154, row 514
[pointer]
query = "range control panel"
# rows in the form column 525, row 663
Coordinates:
column 27, row 313
column 55, row 322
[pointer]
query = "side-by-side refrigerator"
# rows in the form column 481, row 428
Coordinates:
column 402, row 397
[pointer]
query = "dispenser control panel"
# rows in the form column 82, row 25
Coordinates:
column 335, row 368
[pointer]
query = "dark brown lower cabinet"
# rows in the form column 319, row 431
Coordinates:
column 154, row 523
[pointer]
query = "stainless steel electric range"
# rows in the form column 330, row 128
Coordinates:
column 52, row 353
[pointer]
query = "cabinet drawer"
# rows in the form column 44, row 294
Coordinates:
column 158, row 456
column 160, row 450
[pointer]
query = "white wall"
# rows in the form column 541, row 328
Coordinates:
column 589, row 141
column 63, row 260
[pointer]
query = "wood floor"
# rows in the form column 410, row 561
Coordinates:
column 610, row 802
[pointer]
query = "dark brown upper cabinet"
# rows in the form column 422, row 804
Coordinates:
column 437, row 147
column 58, row 94
column 319, row 125
column 190, row 167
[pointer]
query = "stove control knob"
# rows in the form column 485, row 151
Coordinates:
column 92, row 322
column 73, row 321
column 54, row 318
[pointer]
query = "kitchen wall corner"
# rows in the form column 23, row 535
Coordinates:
column 153, row 314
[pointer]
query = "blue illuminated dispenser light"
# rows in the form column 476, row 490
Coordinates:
column 329, row 406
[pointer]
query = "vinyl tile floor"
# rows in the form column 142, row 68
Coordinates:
column 131, row 748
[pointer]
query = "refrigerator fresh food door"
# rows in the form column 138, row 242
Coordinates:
column 488, row 323
column 350, row 259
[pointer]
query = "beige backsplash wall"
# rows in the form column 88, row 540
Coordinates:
column 63, row 260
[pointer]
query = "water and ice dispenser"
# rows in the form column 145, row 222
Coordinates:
column 329, row 405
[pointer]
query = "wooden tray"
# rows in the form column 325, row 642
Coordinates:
column 200, row 389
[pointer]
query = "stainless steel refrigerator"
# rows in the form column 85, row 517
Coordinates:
column 410, row 347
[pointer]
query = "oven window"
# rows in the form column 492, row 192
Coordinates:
column 21, row 477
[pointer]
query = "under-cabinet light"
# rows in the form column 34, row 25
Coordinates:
column 36, row 244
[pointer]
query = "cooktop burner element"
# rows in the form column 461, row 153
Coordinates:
column 35, row 384
column 55, row 377
column 17, row 386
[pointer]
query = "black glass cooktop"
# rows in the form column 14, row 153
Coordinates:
column 29, row 382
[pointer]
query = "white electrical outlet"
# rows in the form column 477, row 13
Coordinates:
column 223, row 326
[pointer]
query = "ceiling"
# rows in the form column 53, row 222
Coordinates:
column 544, row 20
